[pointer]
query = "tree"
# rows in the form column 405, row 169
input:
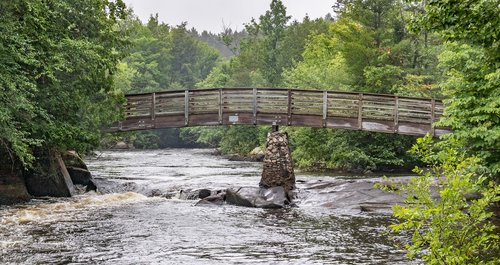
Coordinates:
column 57, row 63
column 454, row 228
column 271, row 28
column 470, row 64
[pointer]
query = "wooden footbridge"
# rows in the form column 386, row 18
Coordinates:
column 282, row 107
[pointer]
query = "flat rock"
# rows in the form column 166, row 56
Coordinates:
column 348, row 195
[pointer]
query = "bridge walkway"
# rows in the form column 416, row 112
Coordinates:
column 282, row 107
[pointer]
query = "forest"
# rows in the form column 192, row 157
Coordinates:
column 65, row 67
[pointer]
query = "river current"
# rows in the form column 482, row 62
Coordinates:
column 126, row 224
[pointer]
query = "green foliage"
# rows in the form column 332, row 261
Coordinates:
column 473, row 101
column 57, row 62
column 352, row 151
column 271, row 27
column 238, row 140
column 218, row 77
column 323, row 67
column 163, row 58
column 475, row 21
column 295, row 39
column 471, row 66
column 145, row 140
column 242, row 140
column 208, row 136
column 447, row 209
column 383, row 79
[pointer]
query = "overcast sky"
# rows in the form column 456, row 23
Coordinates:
column 211, row 15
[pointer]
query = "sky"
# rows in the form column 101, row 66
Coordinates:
column 213, row 15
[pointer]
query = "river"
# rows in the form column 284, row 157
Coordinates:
column 126, row 225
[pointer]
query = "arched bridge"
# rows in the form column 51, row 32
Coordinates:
column 286, row 107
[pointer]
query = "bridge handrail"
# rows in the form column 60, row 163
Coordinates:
column 300, row 107
column 271, row 89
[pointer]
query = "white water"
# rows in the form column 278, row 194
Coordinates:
column 126, row 226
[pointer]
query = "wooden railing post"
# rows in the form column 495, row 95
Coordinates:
column 254, row 105
column 186, row 107
column 325, row 107
column 396, row 114
column 289, row 118
column 220, row 105
column 153, row 105
column 433, row 116
column 360, row 111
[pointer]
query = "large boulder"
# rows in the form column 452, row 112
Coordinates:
column 12, row 187
column 257, row 154
column 274, row 197
column 78, row 170
column 49, row 176
column 82, row 177
column 72, row 159
column 123, row 145
column 213, row 200
column 194, row 194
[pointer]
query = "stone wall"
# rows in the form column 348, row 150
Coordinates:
column 278, row 165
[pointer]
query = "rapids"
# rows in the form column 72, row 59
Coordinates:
column 125, row 224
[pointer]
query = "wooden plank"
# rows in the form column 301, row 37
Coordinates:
column 220, row 106
column 433, row 117
column 374, row 125
column 203, row 119
column 325, row 107
column 272, row 119
column 171, row 121
column 314, row 121
column 254, row 105
column 242, row 118
column 396, row 114
column 342, row 123
column 413, row 129
column 289, row 108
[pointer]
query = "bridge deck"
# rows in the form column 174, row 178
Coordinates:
column 287, row 107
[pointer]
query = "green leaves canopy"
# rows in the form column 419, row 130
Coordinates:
column 56, row 64
column 471, row 63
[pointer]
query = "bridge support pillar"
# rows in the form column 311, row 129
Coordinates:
column 278, row 165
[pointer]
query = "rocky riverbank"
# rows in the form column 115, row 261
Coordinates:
column 53, row 174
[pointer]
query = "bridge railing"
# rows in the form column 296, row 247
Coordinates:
column 292, row 107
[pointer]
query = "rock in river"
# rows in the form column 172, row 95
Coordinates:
column 258, row 197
